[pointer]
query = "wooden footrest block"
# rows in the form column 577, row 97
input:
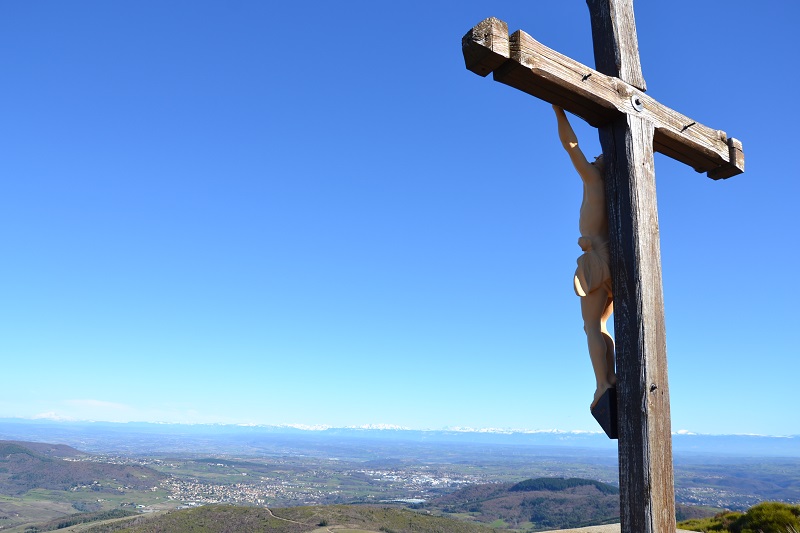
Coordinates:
column 605, row 412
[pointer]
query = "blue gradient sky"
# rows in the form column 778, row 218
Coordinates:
column 311, row 213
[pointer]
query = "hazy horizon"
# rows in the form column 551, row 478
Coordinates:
column 376, row 427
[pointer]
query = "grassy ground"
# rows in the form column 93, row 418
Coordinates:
column 16, row 511
column 40, row 505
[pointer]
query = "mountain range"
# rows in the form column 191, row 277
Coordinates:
column 135, row 436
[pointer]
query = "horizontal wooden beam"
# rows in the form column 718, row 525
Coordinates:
column 525, row 64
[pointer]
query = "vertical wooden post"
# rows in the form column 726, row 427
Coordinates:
column 647, row 494
column 647, row 498
column 615, row 41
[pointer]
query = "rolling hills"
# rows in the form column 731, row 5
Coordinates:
column 319, row 519
column 25, row 466
column 543, row 503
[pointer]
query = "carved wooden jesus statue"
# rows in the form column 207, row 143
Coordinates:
column 592, row 279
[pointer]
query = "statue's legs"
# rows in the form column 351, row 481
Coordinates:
column 610, row 356
column 596, row 308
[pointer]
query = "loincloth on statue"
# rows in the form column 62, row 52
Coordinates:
column 593, row 271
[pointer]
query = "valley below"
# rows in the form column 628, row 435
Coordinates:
column 455, row 476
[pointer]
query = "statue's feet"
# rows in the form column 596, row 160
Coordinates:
column 599, row 393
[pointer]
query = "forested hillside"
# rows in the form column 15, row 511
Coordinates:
column 27, row 466
column 535, row 503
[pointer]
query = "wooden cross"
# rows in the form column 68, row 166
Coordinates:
column 631, row 126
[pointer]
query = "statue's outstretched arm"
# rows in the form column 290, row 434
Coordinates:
column 570, row 143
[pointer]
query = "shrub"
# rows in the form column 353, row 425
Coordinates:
column 768, row 517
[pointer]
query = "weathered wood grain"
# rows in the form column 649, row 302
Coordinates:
column 525, row 64
column 485, row 47
column 616, row 44
column 647, row 501
column 647, row 493
column 736, row 164
column 551, row 76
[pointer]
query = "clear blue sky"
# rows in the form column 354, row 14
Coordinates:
column 312, row 213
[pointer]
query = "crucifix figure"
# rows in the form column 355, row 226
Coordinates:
column 631, row 126
column 592, row 280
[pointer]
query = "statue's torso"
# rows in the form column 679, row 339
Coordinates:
column 593, row 221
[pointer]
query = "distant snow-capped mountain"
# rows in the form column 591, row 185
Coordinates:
column 684, row 442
